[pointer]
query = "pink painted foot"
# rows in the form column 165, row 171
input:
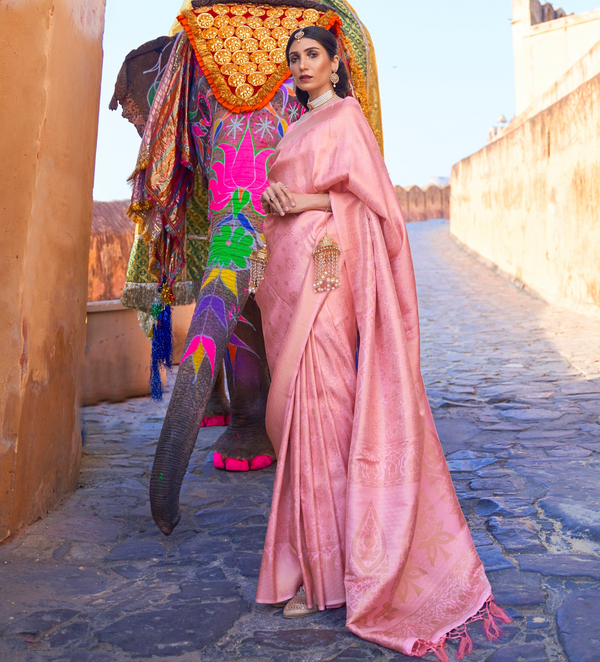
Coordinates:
column 218, row 461
column 261, row 462
column 214, row 421
column 236, row 465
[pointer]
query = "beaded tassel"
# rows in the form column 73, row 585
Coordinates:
column 327, row 265
column 258, row 263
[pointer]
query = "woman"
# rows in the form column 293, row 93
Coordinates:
column 364, row 512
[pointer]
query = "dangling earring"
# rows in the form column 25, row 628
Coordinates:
column 335, row 79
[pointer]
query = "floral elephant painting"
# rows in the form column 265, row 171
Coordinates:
column 213, row 100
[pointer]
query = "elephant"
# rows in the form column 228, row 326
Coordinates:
column 221, row 104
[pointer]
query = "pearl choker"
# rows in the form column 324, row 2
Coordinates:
column 319, row 101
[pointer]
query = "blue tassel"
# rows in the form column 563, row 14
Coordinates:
column 162, row 351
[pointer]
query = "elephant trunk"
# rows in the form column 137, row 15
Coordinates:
column 175, row 446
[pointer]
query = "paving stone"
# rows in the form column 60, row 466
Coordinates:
column 246, row 563
column 69, row 634
column 578, row 620
column 537, row 622
column 40, row 621
column 356, row 653
column 84, row 656
column 207, row 590
column 524, row 653
column 563, row 565
column 579, row 518
column 493, row 559
column 493, row 484
column 226, row 517
column 510, row 506
column 175, row 631
column 295, row 640
column 532, row 414
column 137, row 550
column 515, row 535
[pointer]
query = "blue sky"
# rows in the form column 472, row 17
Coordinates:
column 445, row 73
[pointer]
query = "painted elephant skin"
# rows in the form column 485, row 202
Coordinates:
column 191, row 128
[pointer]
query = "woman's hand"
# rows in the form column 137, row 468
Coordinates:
column 278, row 199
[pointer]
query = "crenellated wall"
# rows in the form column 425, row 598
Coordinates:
column 424, row 204
column 51, row 61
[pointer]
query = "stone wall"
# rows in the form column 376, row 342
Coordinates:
column 51, row 60
column 547, row 44
column 424, row 204
column 529, row 201
column 112, row 237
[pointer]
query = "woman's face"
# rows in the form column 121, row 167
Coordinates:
column 311, row 67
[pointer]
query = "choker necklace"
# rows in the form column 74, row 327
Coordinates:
column 319, row 101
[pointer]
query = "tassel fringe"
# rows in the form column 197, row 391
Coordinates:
column 488, row 614
column 162, row 340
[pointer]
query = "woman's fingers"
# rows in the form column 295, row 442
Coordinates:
column 282, row 198
column 291, row 199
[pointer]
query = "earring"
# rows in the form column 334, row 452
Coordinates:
column 335, row 79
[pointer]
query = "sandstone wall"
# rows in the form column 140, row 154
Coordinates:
column 530, row 201
column 50, row 69
column 547, row 44
column 424, row 204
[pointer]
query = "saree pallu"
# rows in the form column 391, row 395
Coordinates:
column 364, row 511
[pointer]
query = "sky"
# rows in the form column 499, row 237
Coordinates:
column 445, row 76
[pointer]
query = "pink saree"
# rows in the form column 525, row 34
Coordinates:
column 364, row 511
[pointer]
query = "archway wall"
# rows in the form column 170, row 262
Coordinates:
column 51, row 55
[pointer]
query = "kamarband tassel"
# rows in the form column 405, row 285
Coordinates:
column 258, row 263
column 327, row 265
column 162, row 340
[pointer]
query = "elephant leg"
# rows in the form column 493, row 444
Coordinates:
column 223, row 295
column 218, row 409
column 245, row 444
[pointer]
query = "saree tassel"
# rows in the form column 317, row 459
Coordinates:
column 465, row 647
column 327, row 265
column 259, row 259
column 440, row 653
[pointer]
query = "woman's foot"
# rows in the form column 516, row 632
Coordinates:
column 297, row 607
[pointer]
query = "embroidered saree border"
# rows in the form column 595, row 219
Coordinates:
column 218, row 83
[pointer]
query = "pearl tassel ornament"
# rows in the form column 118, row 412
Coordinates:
column 327, row 265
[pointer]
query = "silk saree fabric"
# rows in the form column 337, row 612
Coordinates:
column 364, row 511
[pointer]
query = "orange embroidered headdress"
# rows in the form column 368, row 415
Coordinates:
column 241, row 48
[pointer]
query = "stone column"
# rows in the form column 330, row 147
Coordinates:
column 51, row 60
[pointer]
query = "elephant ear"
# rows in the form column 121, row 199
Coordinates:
column 139, row 78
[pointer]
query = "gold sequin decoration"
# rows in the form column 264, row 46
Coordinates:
column 222, row 57
column 206, row 21
column 215, row 44
column 244, row 32
column 311, row 15
column 242, row 47
column 229, row 69
column 226, row 32
column 267, row 68
column 233, row 44
column 237, row 79
column 248, row 68
column 245, row 91
column 262, row 33
column 221, row 21
column 278, row 55
column 290, row 23
column 269, row 44
column 257, row 79
column 257, row 11
column 259, row 57
column 240, row 57
column 250, row 45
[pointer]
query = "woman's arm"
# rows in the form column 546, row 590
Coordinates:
column 278, row 199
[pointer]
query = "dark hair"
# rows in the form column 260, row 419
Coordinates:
column 330, row 44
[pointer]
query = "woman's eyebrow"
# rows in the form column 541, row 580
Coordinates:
column 306, row 50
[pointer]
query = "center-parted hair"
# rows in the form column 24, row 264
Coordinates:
column 330, row 44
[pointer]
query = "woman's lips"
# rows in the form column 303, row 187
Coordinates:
column 304, row 78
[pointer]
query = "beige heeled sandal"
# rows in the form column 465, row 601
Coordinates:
column 297, row 607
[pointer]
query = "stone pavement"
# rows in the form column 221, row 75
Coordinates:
column 515, row 389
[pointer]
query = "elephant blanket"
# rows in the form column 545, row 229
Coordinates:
column 364, row 510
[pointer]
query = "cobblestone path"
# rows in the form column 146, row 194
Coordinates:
column 515, row 389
